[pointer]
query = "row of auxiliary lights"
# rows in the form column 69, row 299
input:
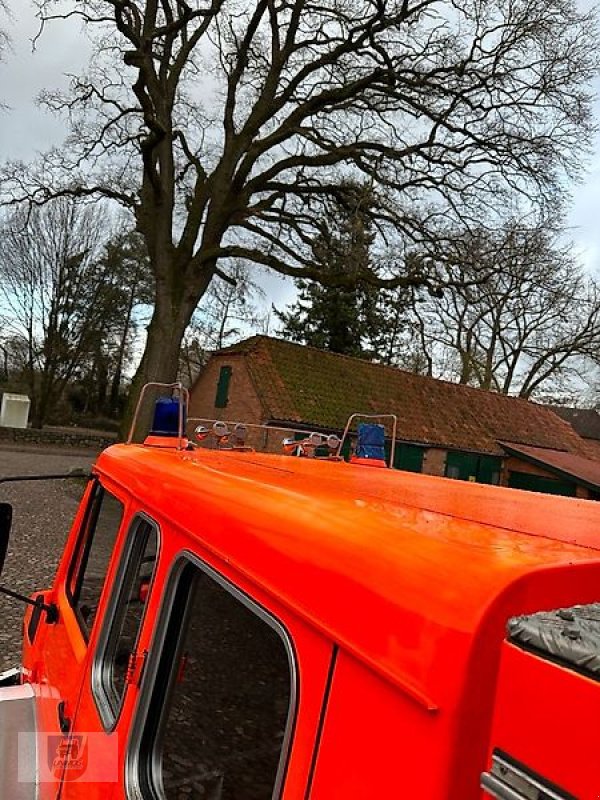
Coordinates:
column 170, row 420
column 235, row 438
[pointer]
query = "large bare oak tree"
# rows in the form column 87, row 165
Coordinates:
column 227, row 127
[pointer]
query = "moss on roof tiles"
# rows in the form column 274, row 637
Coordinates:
column 302, row 384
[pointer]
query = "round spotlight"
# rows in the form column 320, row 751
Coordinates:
column 220, row 430
column 201, row 433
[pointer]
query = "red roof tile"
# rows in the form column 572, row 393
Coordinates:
column 584, row 470
column 305, row 385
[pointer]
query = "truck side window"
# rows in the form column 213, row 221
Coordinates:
column 124, row 618
column 95, row 548
column 221, row 707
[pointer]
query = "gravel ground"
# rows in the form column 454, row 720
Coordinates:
column 43, row 513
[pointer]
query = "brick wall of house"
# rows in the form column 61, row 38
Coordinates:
column 243, row 403
column 434, row 461
column 513, row 464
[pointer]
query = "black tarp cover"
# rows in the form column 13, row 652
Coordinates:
column 569, row 635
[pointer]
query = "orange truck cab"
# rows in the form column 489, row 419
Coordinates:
column 233, row 625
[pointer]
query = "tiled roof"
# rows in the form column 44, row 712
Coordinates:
column 592, row 449
column 304, row 385
column 584, row 470
column 585, row 421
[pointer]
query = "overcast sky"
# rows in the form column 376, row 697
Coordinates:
column 25, row 130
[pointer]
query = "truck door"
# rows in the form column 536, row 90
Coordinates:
column 208, row 706
column 57, row 653
column 98, row 735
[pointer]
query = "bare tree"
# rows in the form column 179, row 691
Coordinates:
column 530, row 325
column 4, row 36
column 55, row 298
column 226, row 128
column 227, row 312
column 126, row 261
column 5, row 355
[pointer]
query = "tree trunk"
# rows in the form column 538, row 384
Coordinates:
column 160, row 362
column 41, row 407
column 115, row 386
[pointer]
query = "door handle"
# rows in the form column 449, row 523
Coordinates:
column 64, row 722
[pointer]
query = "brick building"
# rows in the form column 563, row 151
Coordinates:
column 443, row 428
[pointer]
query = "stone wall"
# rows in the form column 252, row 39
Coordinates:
column 80, row 439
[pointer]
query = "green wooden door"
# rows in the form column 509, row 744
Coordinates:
column 537, row 483
column 408, row 457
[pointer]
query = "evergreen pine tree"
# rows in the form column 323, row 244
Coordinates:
column 341, row 315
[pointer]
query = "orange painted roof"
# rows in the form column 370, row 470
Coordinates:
column 301, row 384
column 401, row 569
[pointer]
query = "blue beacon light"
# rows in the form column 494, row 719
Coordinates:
column 371, row 441
column 166, row 417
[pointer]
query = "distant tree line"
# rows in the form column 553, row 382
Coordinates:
column 69, row 287
column 75, row 294
column 76, row 291
column 533, row 323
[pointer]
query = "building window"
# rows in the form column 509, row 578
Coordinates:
column 118, row 642
column 222, row 397
column 217, row 717
column 92, row 558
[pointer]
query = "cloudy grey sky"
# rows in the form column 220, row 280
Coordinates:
column 26, row 130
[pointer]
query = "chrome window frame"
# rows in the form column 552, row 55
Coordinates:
column 108, row 705
column 510, row 780
column 135, row 760
column 85, row 541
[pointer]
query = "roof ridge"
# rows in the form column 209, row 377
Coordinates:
column 242, row 344
column 417, row 376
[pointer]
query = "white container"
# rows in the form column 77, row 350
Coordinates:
column 15, row 410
